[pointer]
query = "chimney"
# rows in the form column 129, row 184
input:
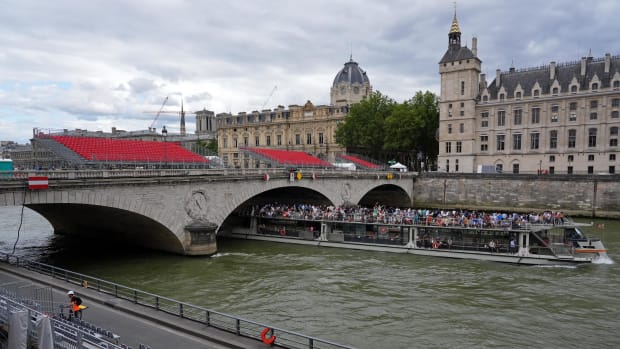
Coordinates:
column 552, row 71
column 584, row 60
column 474, row 46
column 497, row 78
column 607, row 62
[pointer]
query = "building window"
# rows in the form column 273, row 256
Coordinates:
column 456, row 165
column 518, row 95
column 484, row 143
column 615, row 103
column 572, row 138
column 613, row 134
column 235, row 143
column 593, row 116
column 534, row 140
column 462, row 128
column 613, row 142
column 535, row 115
column 448, row 165
column 613, row 131
column 536, row 93
column 448, row 147
column 485, row 119
column 459, row 146
column 551, row 158
column 279, row 139
column 553, row 139
column 612, row 169
column 573, row 89
column 593, row 104
column 246, row 141
column 572, row 116
column 590, row 169
column 485, row 98
column 462, row 88
column 268, row 140
column 256, row 141
column 516, row 141
column 592, row 137
column 555, row 91
column 515, row 168
column 614, row 114
column 554, row 113
column 590, row 157
column 449, row 128
column 298, row 139
column 595, row 86
column 551, row 170
column 321, row 139
column 225, row 142
column 612, row 157
column 501, row 96
column 570, row 158
column 572, row 106
column 501, row 118
column 308, row 138
column 616, row 85
column 501, row 140
column 462, row 113
column 517, row 116
column 569, row 170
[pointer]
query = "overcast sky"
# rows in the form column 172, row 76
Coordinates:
column 96, row 64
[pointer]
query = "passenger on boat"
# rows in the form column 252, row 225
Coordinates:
column 492, row 246
column 513, row 246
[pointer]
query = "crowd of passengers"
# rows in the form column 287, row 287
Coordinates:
column 394, row 215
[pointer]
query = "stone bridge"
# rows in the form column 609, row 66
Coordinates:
column 181, row 211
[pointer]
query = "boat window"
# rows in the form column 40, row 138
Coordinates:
column 574, row 234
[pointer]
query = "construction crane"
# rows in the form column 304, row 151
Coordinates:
column 269, row 97
column 158, row 112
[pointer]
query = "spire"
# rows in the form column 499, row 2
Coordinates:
column 454, row 36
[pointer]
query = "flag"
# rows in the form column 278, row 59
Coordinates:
column 35, row 183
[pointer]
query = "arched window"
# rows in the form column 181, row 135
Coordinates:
column 518, row 96
column 595, row 86
column 573, row 89
column 536, row 93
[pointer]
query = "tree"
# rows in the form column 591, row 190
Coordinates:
column 411, row 127
column 363, row 127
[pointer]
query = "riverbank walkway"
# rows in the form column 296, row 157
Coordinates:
column 135, row 324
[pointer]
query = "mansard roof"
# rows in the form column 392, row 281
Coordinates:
column 564, row 74
column 457, row 54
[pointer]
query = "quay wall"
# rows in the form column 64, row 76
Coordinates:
column 576, row 195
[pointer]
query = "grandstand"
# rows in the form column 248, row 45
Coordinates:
column 358, row 161
column 76, row 151
column 285, row 158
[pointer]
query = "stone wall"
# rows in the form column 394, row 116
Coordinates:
column 577, row 195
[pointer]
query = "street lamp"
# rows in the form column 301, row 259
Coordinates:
column 164, row 133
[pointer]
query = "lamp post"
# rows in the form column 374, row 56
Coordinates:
column 164, row 133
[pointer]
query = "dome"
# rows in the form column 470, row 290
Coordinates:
column 351, row 74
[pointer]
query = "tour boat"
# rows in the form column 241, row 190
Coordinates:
column 560, row 243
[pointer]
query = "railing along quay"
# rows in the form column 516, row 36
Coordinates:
column 226, row 322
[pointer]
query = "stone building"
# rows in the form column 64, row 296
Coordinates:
column 306, row 128
column 557, row 118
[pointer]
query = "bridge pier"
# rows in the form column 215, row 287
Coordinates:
column 202, row 241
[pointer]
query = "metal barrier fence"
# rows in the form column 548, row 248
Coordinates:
column 212, row 318
column 61, row 333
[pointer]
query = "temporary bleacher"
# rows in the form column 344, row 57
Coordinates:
column 125, row 150
column 287, row 157
column 361, row 162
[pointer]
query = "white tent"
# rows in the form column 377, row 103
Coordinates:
column 400, row 167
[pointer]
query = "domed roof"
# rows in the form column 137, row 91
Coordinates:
column 351, row 73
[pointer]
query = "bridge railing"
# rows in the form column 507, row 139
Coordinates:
column 221, row 172
column 208, row 317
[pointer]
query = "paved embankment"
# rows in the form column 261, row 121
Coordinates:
column 134, row 323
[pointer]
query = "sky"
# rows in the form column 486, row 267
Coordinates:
column 98, row 64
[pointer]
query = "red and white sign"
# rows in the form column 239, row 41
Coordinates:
column 37, row 183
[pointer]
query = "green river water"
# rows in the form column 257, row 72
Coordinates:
column 363, row 299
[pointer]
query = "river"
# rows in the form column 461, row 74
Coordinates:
column 360, row 298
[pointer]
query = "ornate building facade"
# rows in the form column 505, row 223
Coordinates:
column 306, row 128
column 557, row 118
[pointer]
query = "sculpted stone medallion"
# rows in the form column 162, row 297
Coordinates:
column 196, row 205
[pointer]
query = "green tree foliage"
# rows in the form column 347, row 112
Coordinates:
column 363, row 127
column 384, row 129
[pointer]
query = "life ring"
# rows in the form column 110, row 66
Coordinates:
column 263, row 336
column 435, row 244
column 282, row 231
column 383, row 230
